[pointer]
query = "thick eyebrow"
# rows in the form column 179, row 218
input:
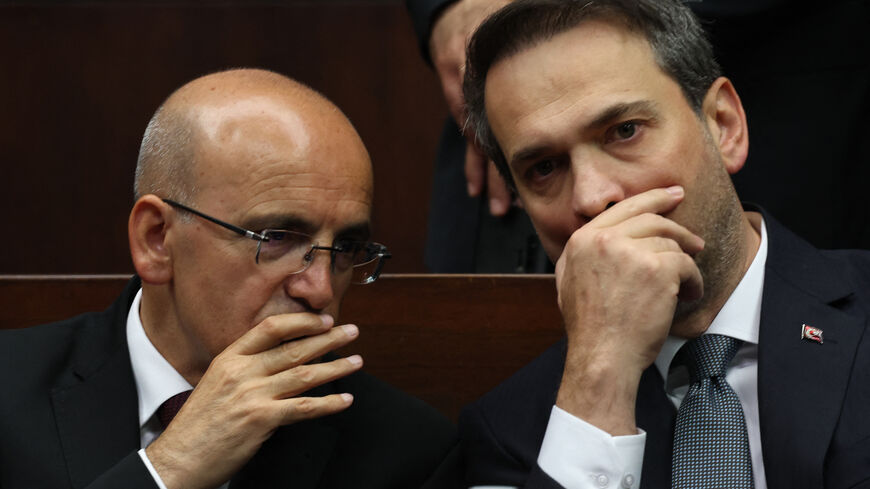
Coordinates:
column 606, row 117
column 359, row 230
column 279, row 221
column 620, row 111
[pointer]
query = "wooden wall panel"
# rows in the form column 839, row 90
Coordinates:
column 79, row 82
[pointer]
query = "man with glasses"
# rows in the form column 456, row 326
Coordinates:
column 251, row 221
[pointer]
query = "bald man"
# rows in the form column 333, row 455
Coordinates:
column 251, row 221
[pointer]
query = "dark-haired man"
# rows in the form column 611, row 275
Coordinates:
column 706, row 346
column 251, row 221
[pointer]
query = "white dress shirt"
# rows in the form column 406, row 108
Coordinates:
column 580, row 456
column 156, row 381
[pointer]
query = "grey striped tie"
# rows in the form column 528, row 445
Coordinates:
column 711, row 448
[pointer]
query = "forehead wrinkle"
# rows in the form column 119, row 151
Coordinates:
column 313, row 181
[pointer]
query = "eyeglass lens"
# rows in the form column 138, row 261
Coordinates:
column 294, row 251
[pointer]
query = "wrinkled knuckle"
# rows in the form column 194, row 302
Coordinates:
column 305, row 406
column 649, row 266
column 290, row 352
column 603, row 239
column 305, row 374
column 631, row 206
column 320, row 326
column 271, row 327
column 668, row 244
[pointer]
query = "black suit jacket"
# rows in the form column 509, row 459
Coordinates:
column 814, row 399
column 68, row 419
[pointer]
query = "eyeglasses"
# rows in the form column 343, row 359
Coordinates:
column 294, row 252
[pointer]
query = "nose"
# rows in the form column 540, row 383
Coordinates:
column 314, row 285
column 595, row 189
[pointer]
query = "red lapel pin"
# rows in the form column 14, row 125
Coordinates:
column 810, row 333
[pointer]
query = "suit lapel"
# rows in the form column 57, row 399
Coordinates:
column 801, row 383
column 95, row 404
column 655, row 415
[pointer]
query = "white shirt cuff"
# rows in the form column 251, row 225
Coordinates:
column 151, row 469
column 578, row 455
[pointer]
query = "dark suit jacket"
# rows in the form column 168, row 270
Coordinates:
column 814, row 399
column 68, row 419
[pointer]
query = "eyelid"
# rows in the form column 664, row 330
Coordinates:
column 533, row 178
column 267, row 231
column 609, row 134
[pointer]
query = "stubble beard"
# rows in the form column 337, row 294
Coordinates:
column 720, row 222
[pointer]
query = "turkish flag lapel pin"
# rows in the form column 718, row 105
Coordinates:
column 811, row 333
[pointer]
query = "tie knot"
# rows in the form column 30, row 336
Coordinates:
column 167, row 411
column 708, row 355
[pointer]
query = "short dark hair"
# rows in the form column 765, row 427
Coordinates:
column 677, row 39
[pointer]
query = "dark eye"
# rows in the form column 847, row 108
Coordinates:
column 283, row 238
column 280, row 243
column 543, row 168
column 625, row 130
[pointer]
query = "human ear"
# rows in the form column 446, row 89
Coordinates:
column 726, row 120
column 146, row 230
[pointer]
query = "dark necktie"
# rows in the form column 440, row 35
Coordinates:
column 167, row 411
column 711, row 447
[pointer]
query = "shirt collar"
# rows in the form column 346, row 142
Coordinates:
column 156, row 379
column 740, row 316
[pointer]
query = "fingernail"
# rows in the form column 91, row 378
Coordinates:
column 472, row 190
column 497, row 207
column 328, row 321
column 356, row 360
column 347, row 398
column 350, row 330
column 676, row 190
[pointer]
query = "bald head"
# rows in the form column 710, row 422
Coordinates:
column 215, row 107
column 255, row 151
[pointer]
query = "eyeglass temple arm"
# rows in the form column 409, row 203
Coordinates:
column 235, row 229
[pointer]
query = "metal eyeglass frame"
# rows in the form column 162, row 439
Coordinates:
column 260, row 238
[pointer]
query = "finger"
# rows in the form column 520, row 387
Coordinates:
column 561, row 263
column 656, row 201
column 277, row 329
column 657, row 244
column 296, row 352
column 475, row 166
column 691, row 281
column 654, row 225
column 302, row 408
column 299, row 379
column 452, row 87
column 497, row 191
